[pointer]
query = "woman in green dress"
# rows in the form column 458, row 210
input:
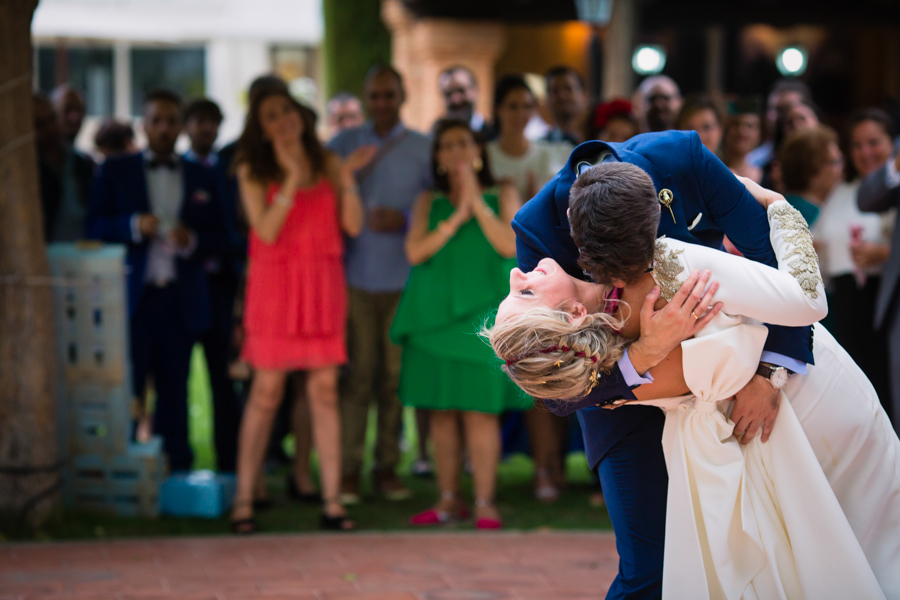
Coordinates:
column 462, row 246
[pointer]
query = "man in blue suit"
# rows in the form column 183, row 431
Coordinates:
column 202, row 118
column 167, row 212
column 699, row 199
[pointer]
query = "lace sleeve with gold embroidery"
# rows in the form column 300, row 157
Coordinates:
column 801, row 259
column 666, row 269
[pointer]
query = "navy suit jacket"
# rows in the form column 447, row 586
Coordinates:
column 120, row 191
column 706, row 195
column 235, row 227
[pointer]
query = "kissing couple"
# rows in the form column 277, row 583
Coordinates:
column 611, row 314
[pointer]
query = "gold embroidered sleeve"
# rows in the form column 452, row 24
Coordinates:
column 802, row 258
column 666, row 269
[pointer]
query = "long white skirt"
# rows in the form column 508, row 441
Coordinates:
column 813, row 513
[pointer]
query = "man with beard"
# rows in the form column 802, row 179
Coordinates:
column 167, row 212
column 662, row 101
column 460, row 91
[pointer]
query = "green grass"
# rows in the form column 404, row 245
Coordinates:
column 515, row 495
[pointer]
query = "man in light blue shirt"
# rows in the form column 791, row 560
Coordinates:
column 377, row 270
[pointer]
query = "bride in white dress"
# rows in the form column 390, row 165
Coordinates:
column 812, row 513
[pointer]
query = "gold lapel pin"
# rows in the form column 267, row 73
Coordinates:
column 665, row 198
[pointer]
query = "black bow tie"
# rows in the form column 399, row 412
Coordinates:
column 168, row 163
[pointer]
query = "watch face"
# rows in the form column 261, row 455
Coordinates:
column 779, row 378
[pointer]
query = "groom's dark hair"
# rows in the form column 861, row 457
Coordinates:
column 614, row 217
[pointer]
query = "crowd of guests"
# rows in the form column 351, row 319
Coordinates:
column 354, row 273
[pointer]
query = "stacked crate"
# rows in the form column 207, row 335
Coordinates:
column 102, row 469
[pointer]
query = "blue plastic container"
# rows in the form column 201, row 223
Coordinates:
column 197, row 494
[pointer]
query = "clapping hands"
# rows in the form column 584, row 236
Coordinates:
column 361, row 157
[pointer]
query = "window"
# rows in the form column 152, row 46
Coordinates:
column 183, row 70
column 88, row 69
column 297, row 66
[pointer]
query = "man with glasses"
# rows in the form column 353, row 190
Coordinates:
column 343, row 111
column 662, row 101
column 460, row 91
column 377, row 270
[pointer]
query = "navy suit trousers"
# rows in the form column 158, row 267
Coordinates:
column 161, row 348
column 635, row 482
column 217, row 343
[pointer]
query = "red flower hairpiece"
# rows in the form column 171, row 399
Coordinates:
column 513, row 361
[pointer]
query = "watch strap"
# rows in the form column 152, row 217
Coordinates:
column 765, row 370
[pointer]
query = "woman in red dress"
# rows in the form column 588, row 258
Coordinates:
column 298, row 199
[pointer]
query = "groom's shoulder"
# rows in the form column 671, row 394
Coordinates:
column 541, row 209
column 662, row 144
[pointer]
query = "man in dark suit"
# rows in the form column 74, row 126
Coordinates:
column 65, row 176
column 167, row 212
column 880, row 192
column 202, row 118
column 699, row 199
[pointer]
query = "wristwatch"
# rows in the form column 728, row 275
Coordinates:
column 777, row 376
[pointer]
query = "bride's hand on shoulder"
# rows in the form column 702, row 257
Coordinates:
column 689, row 311
column 764, row 196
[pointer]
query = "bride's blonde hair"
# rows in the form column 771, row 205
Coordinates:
column 548, row 357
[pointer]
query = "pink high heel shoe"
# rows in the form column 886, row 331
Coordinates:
column 484, row 522
column 433, row 516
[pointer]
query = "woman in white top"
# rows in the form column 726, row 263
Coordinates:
column 529, row 165
column 853, row 246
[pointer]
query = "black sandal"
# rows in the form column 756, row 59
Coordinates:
column 262, row 504
column 294, row 492
column 341, row 523
column 338, row 522
column 245, row 526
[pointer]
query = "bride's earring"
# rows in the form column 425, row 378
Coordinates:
column 478, row 163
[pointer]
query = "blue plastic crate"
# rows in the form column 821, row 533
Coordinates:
column 197, row 494
column 90, row 312
column 99, row 419
column 125, row 485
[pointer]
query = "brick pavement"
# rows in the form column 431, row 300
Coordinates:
column 446, row 566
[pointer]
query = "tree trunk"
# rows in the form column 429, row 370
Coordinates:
column 29, row 472
column 355, row 39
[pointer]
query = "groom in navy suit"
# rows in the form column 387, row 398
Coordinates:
column 167, row 212
column 700, row 201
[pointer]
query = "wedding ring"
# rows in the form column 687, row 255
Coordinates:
column 694, row 315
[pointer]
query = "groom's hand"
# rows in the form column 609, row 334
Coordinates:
column 663, row 330
column 755, row 406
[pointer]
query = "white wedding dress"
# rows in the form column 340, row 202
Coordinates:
column 815, row 511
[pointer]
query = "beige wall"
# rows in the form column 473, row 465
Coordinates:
column 537, row 48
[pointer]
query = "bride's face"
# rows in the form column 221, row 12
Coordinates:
column 547, row 285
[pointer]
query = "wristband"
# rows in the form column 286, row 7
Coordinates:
column 283, row 201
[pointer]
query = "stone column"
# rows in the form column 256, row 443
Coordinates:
column 422, row 48
column 618, row 44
